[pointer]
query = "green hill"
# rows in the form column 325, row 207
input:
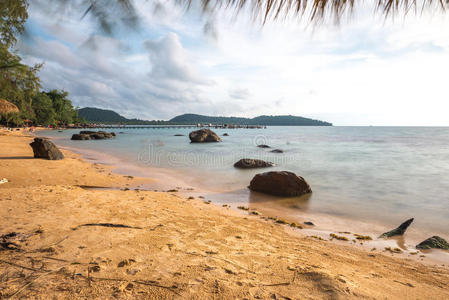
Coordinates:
column 96, row 115
column 260, row 120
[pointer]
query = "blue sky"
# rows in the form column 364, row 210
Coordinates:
column 366, row 71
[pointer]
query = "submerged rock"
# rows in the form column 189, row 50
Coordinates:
column 263, row 146
column 43, row 148
column 397, row 231
column 435, row 242
column 203, row 136
column 178, row 134
column 277, row 151
column 248, row 163
column 92, row 135
column 280, row 183
column 225, row 134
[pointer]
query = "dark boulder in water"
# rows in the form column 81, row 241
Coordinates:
column 178, row 134
column 92, row 135
column 249, row 163
column 280, row 183
column 263, row 146
column 434, row 242
column 204, row 136
column 43, row 148
column 225, row 134
column 397, row 231
column 277, row 151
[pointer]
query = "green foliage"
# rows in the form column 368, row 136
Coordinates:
column 63, row 108
column 43, row 109
column 13, row 14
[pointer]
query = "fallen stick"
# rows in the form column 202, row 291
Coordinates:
column 107, row 225
column 23, row 267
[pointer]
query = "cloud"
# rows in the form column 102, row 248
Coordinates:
column 170, row 61
column 239, row 93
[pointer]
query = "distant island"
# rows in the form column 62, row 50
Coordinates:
column 97, row 115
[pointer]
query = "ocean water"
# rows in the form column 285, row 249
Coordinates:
column 373, row 174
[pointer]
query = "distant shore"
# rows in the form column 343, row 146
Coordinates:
column 173, row 247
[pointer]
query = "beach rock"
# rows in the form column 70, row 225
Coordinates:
column 43, row 148
column 248, row 163
column 397, row 231
column 435, row 242
column 225, row 134
column 80, row 137
column 203, row 136
column 277, row 151
column 280, row 183
column 263, row 146
column 93, row 135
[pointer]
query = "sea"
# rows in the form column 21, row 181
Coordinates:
column 363, row 178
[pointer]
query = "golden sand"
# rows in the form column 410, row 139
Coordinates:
column 75, row 242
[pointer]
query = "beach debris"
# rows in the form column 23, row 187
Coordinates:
column 363, row 237
column 204, row 136
column 309, row 223
column 317, row 237
column 191, row 198
column 393, row 250
column 207, row 202
column 338, row 237
column 92, row 135
column 4, row 180
column 172, row 191
column 43, row 148
column 6, row 241
column 397, row 231
column 249, row 163
column 125, row 262
column 263, row 146
column 255, row 212
column 435, row 242
column 107, row 225
column 243, row 207
column 281, row 221
column 277, row 151
column 280, row 183
column 294, row 225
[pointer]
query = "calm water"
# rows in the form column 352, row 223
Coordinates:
column 382, row 174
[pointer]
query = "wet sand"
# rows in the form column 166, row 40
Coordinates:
column 75, row 242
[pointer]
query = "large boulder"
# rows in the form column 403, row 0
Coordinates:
column 203, row 136
column 249, row 163
column 435, row 242
column 43, row 148
column 280, row 183
column 92, row 135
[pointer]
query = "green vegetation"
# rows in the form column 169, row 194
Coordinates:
column 96, row 115
column 20, row 84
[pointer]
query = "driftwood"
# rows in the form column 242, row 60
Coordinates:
column 107, row 225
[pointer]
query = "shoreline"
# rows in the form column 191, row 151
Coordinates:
column 241, row 253
column 324, row 223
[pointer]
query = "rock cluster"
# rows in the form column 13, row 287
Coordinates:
column 249, row 163
column 92, row 135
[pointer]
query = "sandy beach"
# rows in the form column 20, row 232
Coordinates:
column 68, row 240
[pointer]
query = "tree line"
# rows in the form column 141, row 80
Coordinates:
column 20, row 83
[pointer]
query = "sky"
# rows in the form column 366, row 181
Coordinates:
column 364, row 71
